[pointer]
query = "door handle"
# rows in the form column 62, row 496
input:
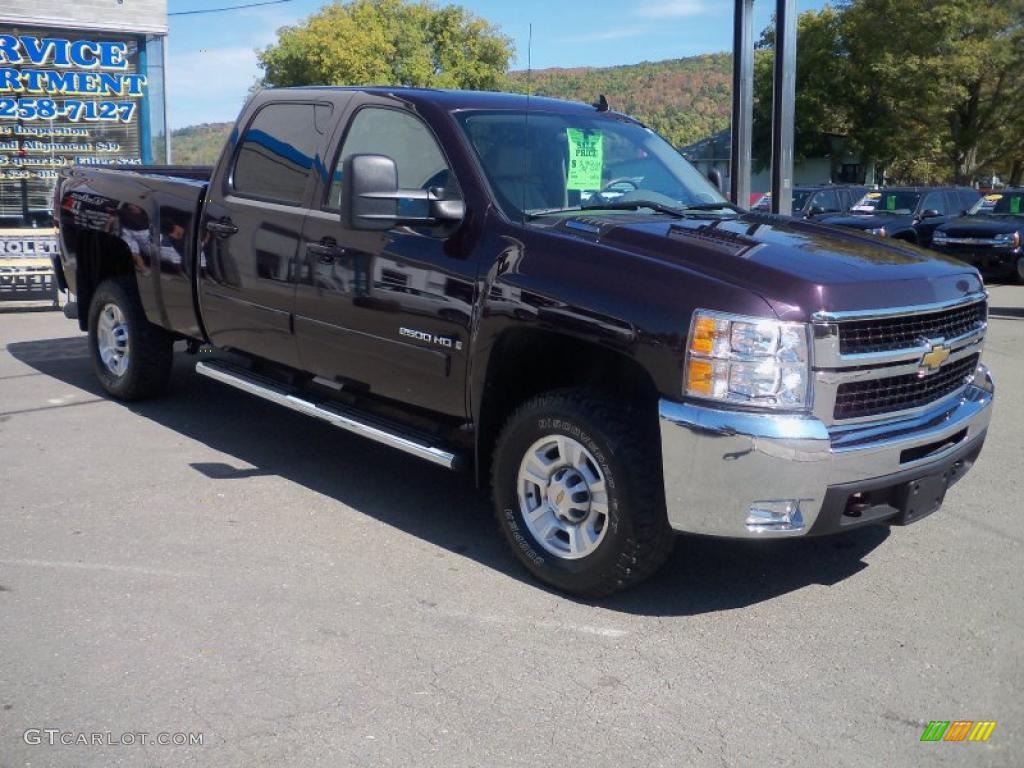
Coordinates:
column 326, row 251
column 222, row 228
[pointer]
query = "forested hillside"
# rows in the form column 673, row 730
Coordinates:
column 198, row 144
column 683, row 99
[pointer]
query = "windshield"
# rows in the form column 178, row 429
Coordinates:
column 1011, row 203
column 868, row 203
column 800, row 197
column 551, row 161
column 900, row 202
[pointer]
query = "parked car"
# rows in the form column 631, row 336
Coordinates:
column 989, row 240
column 614, row 369
column 907, row 213
column 810, row 202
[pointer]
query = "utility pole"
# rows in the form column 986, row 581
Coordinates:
column 783, row 101
column 742, row 102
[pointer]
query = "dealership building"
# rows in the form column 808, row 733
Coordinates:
column 81, row 81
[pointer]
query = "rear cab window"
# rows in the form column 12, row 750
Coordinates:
column 279, row 150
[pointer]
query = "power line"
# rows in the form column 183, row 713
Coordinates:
column 228, row 8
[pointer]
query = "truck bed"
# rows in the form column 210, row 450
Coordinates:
column 194, row 172
column 148, row 210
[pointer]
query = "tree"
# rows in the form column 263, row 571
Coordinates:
column 935, row 85
column 388, row 42
column 820, row 79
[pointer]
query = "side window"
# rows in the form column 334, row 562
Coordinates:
column 406, row 140
column 967, row 200
column 934, row 201
column 277, row 151
column 827, row 200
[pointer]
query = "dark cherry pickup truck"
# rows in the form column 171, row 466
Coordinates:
column 550, row 296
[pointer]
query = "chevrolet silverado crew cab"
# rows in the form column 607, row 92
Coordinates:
column 443, row 272
column 907, row 213
column 989, row 238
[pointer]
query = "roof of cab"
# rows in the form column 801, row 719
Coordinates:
column 457, row 100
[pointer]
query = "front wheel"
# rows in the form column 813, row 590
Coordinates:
column 1018, row 272
column 131, row 356
column 579, row 493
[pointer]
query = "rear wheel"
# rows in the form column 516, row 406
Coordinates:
column 579, row 493
column 130, row 355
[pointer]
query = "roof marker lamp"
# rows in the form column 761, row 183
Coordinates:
column 748, row 361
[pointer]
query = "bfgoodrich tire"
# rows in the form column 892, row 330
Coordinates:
column 578, row 493
column 130, row 355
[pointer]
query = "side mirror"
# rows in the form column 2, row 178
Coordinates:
column 715, row 177
column 816, row 210
column 931, row 213
column 370, row 197
column 369, row 192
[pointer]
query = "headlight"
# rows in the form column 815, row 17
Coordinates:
column 880, row 231
column 748, row 361
column 1011, row 239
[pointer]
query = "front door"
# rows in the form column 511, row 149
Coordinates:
column 933, row 201
column 250, row 232
column 389, row 312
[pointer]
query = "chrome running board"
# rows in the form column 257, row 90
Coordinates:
column 333, row 413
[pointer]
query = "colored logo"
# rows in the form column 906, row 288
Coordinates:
column 933, row 359
column 958, row 730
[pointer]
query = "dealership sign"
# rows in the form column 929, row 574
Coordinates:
column 65, row 98
column 27, row 246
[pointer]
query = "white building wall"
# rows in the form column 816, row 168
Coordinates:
column 139, row 16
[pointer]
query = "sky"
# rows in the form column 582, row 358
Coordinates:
column 212, row 60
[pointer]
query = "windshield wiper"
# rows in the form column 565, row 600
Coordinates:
column 681, row 210
column 549, row 211
column 633, row 205
column 714, row 207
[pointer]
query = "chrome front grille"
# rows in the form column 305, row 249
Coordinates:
column 872, row 397
column 889, row 333
column 875, row 365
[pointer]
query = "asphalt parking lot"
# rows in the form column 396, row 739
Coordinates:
column 208, row 563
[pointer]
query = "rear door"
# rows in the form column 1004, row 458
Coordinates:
column 388, row 311
column 249, row 233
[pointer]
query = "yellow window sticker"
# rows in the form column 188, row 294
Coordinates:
column 586, row 159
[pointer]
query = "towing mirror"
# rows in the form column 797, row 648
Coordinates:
column 371, row 197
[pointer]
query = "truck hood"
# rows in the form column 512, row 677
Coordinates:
column 798, row 267
column 982, row 226
column 891, row 222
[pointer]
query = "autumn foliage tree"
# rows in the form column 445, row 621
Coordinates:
column 928, row 90
column 388, row 42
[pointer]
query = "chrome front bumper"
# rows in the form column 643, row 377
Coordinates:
column 719, row 464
